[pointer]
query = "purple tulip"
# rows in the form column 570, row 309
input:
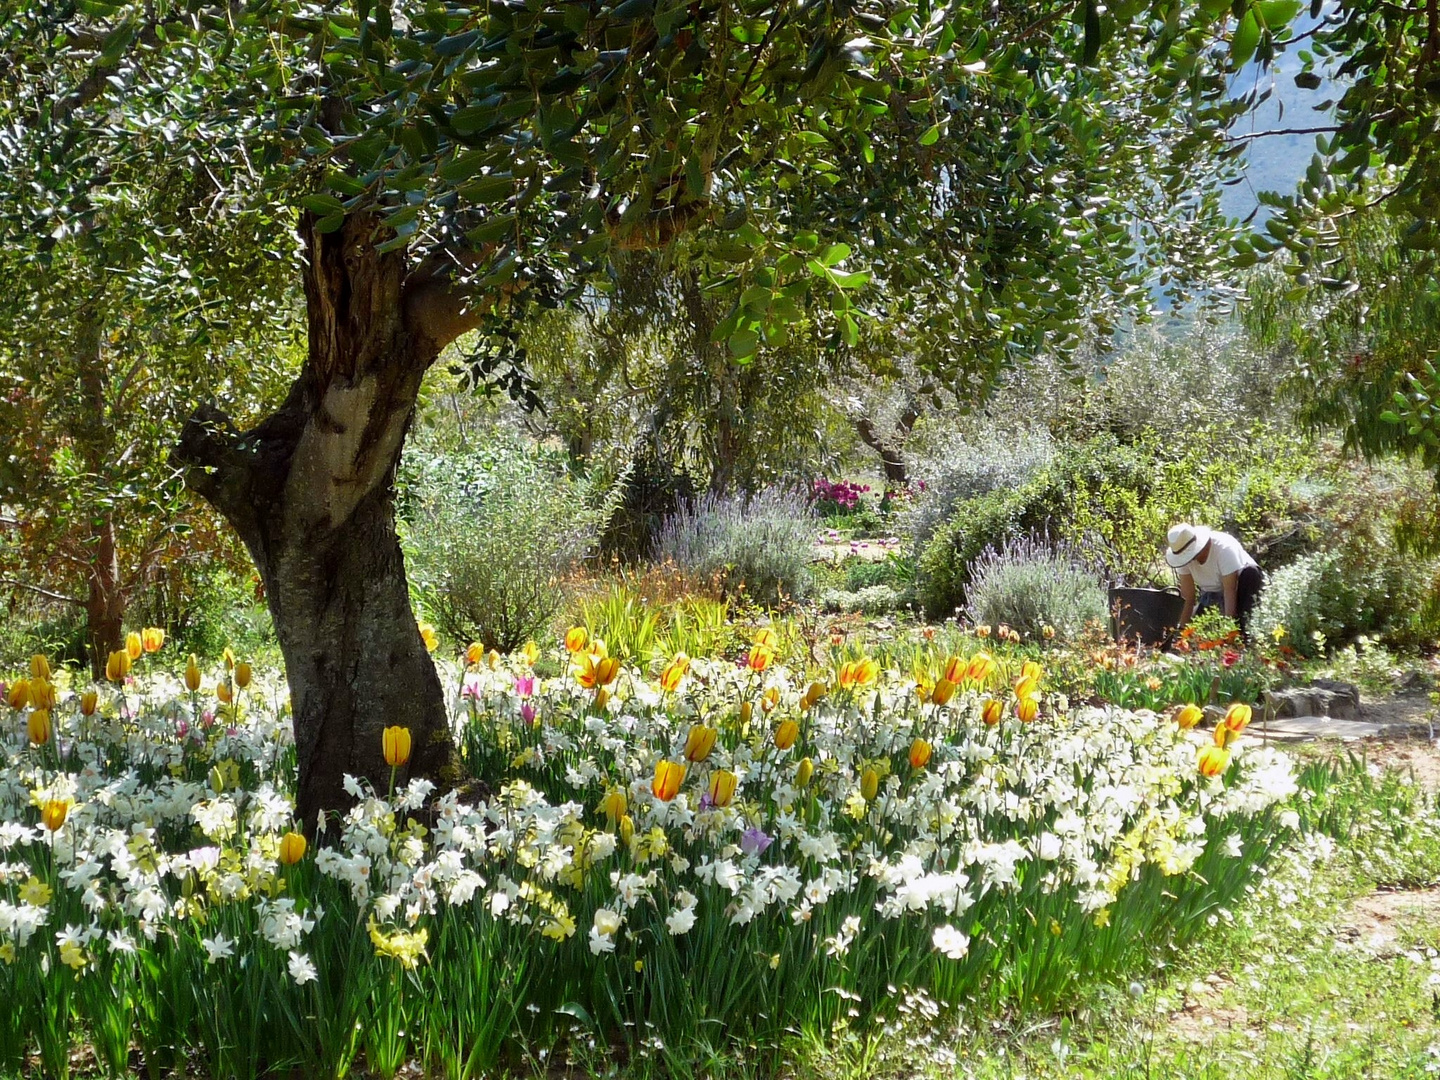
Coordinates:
column 754, row 841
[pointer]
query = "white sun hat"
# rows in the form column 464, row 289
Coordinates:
column 1185, row 542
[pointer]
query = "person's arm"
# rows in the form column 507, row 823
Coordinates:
column 1230, row 583
column 1187, row 590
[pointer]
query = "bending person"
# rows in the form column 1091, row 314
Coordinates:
column 1213, row 571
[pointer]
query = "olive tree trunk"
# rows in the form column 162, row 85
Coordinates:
column 310, row 491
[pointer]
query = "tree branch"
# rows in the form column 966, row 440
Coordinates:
column 43, row 592
column 1329, row 129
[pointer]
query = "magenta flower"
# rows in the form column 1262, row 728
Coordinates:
column 527, row 712
column 525, row 685
column 470, row 688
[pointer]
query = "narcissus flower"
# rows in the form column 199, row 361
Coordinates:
column 133, row 645
column 614, row 805
column 869, row 784
column 942, row 693
column 722, row 787
column 668, row 777
column 1189, row 716
column 699, row 742
column 88, row 701
column 786, row 734
column 1213, row 760
column 152, row 639
column 576, row 638
column 803, row 772
column 37, row 727
column 674, row 672
column 919, row 754
column 118, row 664
column 53, row 814
column 192, row 674
column 991, row 711
column 40, row 667
column 292, row 848
column 395, row 744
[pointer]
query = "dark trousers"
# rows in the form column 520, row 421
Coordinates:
column 1247, row 595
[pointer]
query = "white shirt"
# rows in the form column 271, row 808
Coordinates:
column 1226, row 557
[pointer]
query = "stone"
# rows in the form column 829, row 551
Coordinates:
column 1324, row 697
column 1344, row 700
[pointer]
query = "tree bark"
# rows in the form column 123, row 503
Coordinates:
column 104, row 600
column 310, row 491
column 104, row 594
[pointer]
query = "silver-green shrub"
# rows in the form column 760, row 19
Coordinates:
column 760, row 545
column 489, row 535
column 1029, row 584
column 962, row 468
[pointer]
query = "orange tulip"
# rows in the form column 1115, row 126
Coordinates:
column 786, row 734
column 722, row 787
column 674, row 672
column 133, row 645
column 54, row 813
column 152, row 639
column 991, row 711
column 919, row 754
column 395, row 744
column 943, row 692
column 1237, row 717
column 18, row 695
column 37, row 726
column 118, row 665
column 699, row 742
column 1189, row 716
column 955, row 669
column 759, row 658
column 88, row 702
column 575, row 638
column 1213, row 760
column 192, row 674
column 982, row 631
column 292, row 848
column 668, row 777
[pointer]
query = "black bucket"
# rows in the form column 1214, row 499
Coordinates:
column 1144, row 615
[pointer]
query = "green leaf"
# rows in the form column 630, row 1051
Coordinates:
column 931, row 136
column 1278, row 13
column 1307, row 80
column 1245, row 40
column 322, row 204
column 835, row 254
column 498, row 226
column 743, row 343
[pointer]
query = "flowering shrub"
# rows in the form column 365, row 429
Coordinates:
column 830, row 497
column 717, row 841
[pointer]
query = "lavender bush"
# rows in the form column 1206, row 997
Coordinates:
column 1031, row 583
column 760, row 544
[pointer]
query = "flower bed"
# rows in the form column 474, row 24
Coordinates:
column 719, row 849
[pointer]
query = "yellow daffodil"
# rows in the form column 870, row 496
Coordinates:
column 428, row 636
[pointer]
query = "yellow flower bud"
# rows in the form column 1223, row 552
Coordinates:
column 242, row 674
column 42, row 694
column 133, row 645
column 1237, row 717
column 746, row 711
column 722, row 787
column 152, row 639
column 1189, row 716
column 54, row 813
column 37, row 726
column 674, row 672
column 292, row 848
column 1027, row 708
column 627, row 829
column 118, row 664
column 475, row 653
column 575, row 638
column 786, row 734
column 870, row 784
column 668, row 777
column 613, row 806
column 943, row 692
column 803, row 772
column 224, row 693
column 395, row 743
column 699, row 742
column 192, row 674
column 991, row 712
column 919, row 754
column 88, row 702
column 18, row 695
column 40, row 667
column 1213, row 760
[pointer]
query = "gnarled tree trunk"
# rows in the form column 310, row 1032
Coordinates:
column 310, row 491
column 104, row 600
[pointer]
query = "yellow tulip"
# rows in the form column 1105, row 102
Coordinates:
column 1189, row 716
column 37, row 726
column 722, row 787
column 668, row 777
column 152, row 639
column 786, row 734
column 980, row 667
column 766, row 638
column 759, row 658
column 42, row 694
column 133, row 645
column 1026, row 687
column 18, row 695
column 242, row 674
column 575, row 638
column 747, row 709
column 492, row 660
column 919, row 754
column 292, row 848
column 602, row 698
column 674, row 672
column 1032, row 670
column 530, row 652
column 1027, row 709
column 1223, row 735
column 627, row 830
column 227, row 657
column 118, row 665
column 699, row 742
column 769, row 699
column 395, row 743
column 869, row 784
column 192, row 674
column 88, row 702
column 955, row 669
column 1213, row 760
column 815, row 692
column 40, row 667
column 224, row 693
column 1237, row 717
column 427, row 635
column 614, row 805
column 475, row 653
column 943, row 692
column 803, row 772
column 53, row 814
column 991, row 711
